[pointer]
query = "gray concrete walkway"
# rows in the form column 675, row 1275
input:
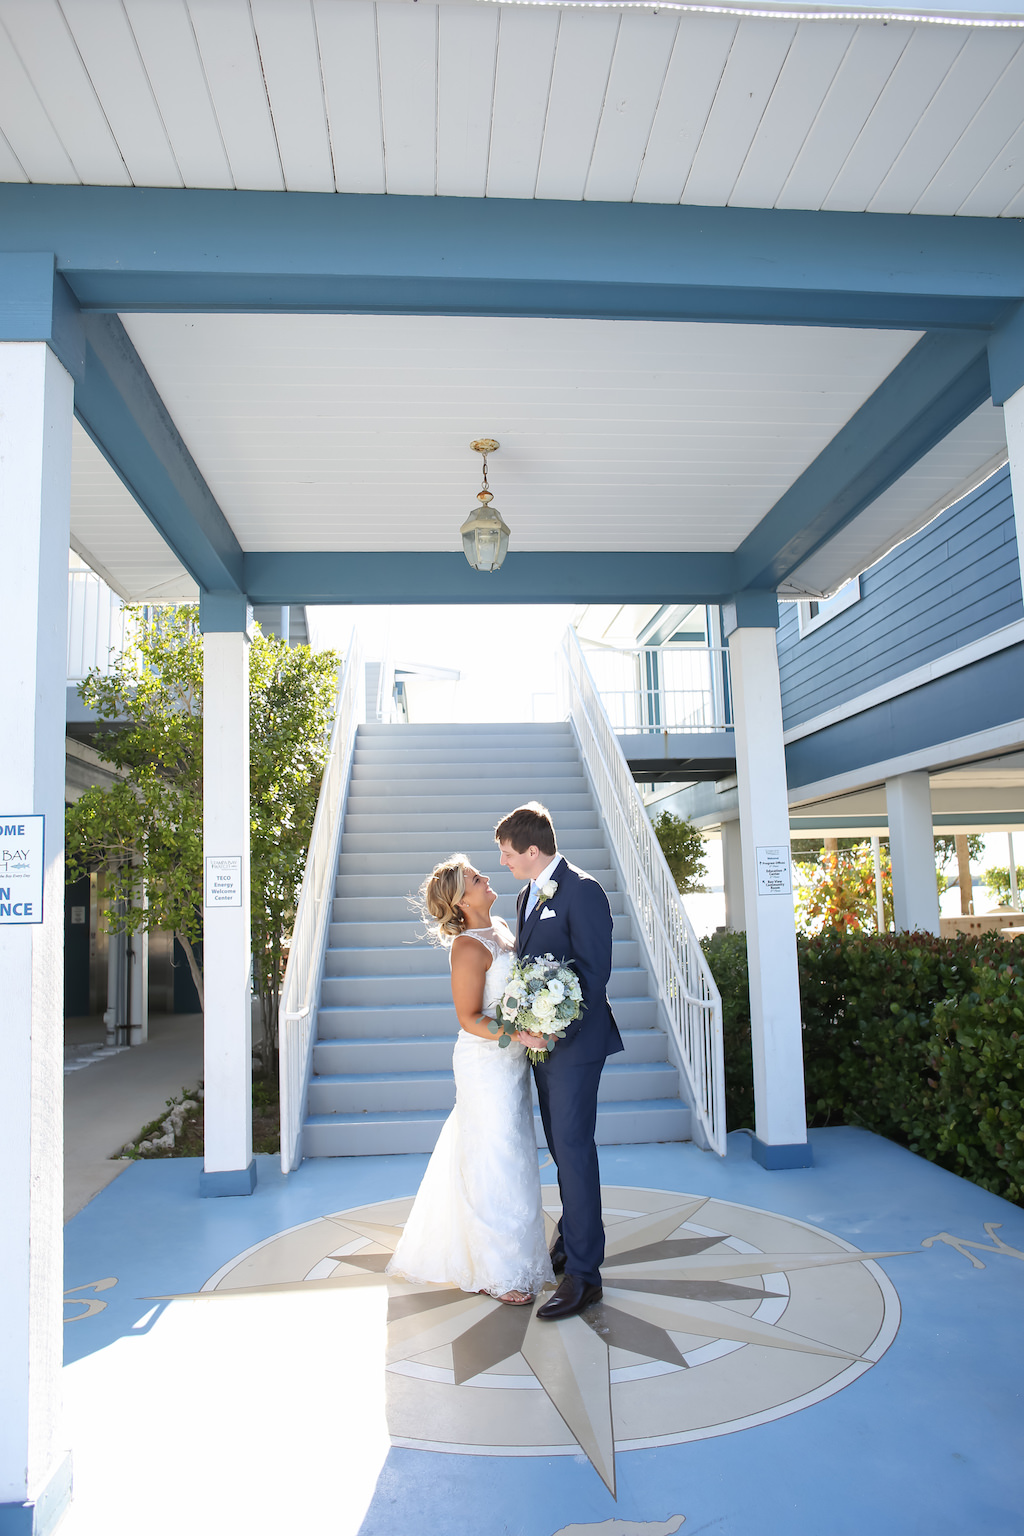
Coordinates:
column 108, row 1102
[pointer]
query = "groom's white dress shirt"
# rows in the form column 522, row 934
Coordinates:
column 535, row 885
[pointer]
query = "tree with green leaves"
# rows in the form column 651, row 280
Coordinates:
column 146, row 830
column 683, row 847
column 997, row 883
column 838, row 891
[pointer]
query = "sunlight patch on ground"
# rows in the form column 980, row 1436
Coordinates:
column 259, row 1414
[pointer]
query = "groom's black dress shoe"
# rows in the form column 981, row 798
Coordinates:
column 558, row 1260
column 572, row 1296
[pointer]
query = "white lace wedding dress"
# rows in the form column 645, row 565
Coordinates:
column 477, row 1220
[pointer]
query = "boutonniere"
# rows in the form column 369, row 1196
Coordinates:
column 546, row 891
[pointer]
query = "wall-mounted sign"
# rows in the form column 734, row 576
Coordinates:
column 773, row 874
column 223, row 881
column 21, row 869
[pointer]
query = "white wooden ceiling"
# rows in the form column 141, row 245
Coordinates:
column 111, row 532
column 469, row 99
column 332, row 432
column 966, row 457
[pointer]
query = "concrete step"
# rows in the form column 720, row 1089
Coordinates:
column 364, row 799
column 407, row 883
column 416, row 1130
column 425, row 1020
column 579, row 843
column 520, row 771
column 419, row 987
column 417, row 1053
column 429, row 959
column 459, row 821
column 364, row 906
column 405, row 860
column 495, row 752
column 507, row 790
column 366, row 1092
column 394, row 935
column 539, row 731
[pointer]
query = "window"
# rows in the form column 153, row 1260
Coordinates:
column 814, row 614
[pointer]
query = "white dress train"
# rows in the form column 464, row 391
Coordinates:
column 477, row 1221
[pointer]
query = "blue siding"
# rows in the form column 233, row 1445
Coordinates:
column 978, row 697
column 956, row 580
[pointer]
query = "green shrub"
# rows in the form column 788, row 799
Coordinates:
column 918, row 1038
column 683, row 847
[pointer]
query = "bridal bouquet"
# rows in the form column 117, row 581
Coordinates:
column 542, row 997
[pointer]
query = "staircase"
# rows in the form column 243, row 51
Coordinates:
column 381, row 1076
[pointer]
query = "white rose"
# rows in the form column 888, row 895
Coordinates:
column 543, row 1006
column 556, row 990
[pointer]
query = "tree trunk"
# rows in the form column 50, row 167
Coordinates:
column 963, row 865
column 197, row 975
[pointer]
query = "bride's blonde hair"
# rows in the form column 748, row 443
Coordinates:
column 439, row 899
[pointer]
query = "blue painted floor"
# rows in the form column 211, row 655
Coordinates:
column 266, row 1407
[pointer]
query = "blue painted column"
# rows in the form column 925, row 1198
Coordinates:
column 775, row 1025
column 228, row 1164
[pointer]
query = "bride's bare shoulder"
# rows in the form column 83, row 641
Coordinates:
column 470, row 951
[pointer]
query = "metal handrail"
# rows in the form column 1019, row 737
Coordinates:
column 655, row 688
column 685, row 984
column 304, row 971
column 98, row 627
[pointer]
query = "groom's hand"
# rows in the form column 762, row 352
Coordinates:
column 533, row 1042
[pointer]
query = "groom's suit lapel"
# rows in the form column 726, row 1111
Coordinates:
column 526, row 928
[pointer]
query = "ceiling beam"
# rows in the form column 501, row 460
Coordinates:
column 936, row 386
column 118, row 405
column 125, row 248
column 527, row 576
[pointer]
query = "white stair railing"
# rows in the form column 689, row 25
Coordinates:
column 304, row 971
column 685, row 984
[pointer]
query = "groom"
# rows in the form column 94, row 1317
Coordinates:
column 564, row 912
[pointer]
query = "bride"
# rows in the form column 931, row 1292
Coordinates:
column 477, row 1221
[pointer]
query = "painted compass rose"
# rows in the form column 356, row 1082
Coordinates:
column 715, row 1317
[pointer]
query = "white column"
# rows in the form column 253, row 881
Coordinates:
column 876, row 859
column 780, row 1115
column 732, row 877
column 1013, row 421
column 139, row 974
column 915, row 891
column 228, row 1163
column 36, row 408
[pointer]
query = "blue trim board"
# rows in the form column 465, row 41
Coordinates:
column 124, row 248
column 1006, row 357
column 36, row 304
column 41, row 1515
column 975, row 698
column 527, row 576
column 227, row 1181
column 118, row 405
column 776, row 1156
column 936, row 386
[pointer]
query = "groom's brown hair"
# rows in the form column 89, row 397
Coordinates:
column 528, row 826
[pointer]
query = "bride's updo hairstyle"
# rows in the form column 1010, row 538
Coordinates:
column 440, row 895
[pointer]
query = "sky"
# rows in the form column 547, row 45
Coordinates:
column 506, row 655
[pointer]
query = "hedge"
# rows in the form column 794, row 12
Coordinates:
column 918, row 1038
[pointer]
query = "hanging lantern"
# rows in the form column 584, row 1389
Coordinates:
column 484, row 533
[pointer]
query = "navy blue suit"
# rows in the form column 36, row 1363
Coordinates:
column 579, row 931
